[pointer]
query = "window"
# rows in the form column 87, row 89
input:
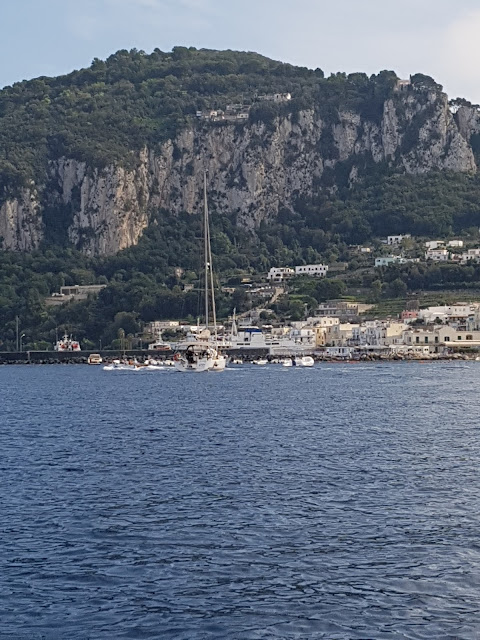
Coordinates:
column 469, row 337
column 426, row 339
column 459, row 337
column 436, row 339
column 417, row 339
column 446, row 339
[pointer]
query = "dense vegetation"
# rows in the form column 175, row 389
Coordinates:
column 143, row 286
column 105, row 113
column 109, row 111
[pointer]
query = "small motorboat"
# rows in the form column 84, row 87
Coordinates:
column 303, row 361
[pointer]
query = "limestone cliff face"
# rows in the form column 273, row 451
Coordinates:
column 468, row 121
column 21, row 225
column 110, row 209
column 253, row 170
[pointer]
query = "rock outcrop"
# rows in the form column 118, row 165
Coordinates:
column 253, row 170
column 21, row 224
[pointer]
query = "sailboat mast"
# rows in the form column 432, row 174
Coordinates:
column 206, row 238
column 214, row 312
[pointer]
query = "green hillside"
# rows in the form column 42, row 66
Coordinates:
column 106, row 113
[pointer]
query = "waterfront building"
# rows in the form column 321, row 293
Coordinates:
column 340, row 334
column 339, row 352
column 440, row 338
column 378, row 333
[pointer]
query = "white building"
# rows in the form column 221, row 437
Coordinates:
column 317, row 270
column 434, row 244
column 275, row 97
column 439, row 338
column 388, row 260
column 341, row 309
column 457, row 244
column 339, row 352
column 471, row 255
column 377, row 333
column 279, row 274
column 339, row 335
column 454, row 315
column 437, row 255
column 323, row 322
column 396, row 240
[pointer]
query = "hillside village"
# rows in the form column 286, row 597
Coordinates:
column 337, row 328
column 345, row 328
column 337, row 331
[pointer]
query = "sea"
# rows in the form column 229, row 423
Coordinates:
column 338, row 502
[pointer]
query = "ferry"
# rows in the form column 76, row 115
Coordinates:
column 298, row 341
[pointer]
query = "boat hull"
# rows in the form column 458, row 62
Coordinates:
column 219, row 363
column 199, row 366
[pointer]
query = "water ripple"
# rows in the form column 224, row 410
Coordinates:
column 339, row 502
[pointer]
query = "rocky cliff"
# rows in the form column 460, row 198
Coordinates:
column 254, row 169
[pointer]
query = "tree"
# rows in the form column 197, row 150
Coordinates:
column 397, row 289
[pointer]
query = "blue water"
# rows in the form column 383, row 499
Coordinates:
column 340, row 502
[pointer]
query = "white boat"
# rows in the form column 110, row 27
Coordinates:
column 123, row 365
column 219, row 362
column 197, row 356
column 94, row 358
column 160, row 345
column 153, row 365
column 303, row 361
column 260, row 361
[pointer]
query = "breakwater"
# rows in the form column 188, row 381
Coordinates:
column 246, row 355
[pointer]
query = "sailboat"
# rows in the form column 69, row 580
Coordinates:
column 203, row 355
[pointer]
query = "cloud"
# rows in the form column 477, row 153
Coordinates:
column 178, row 15
column 463, row 44
column 203, row 6
column 84, row 26
column 462, row 51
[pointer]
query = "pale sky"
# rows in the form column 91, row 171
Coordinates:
column 436, row 37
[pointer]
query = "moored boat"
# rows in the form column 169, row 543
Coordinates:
column 67, row 343
column 296, row 361
column 199, row 356
column 196, row 358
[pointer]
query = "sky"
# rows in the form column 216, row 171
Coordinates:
column 435, row 37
